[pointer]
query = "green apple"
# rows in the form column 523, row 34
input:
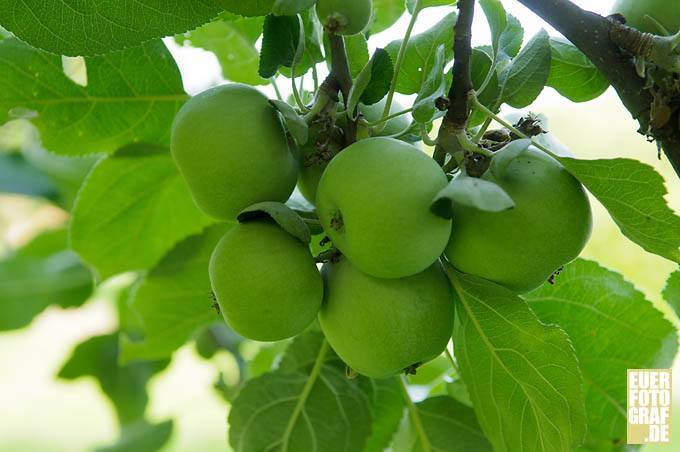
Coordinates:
column 345, row 17
column 394, row 126
column 231, row 149
column 381, row 327
column 265, row 281
column 666, row 12
column 520, row 248
column 373, row 202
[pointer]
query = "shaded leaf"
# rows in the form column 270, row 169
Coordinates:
column 19, row 177
column 387, row 406
column 281, row 36
column 633, row 193
column 432, row 88
column 671, row 293
column 411, row 4
column 132, row 96
column 125, row 385
column 42, row 273
column 613, row 328
column 420, row 54
column 141, row 436
column 232, row 40
column 357, row 52
column 524, row 79
column 572, row 74
column 471, row 191
column 283, row 215
column 382, row 72
column 133, row 207
column 173, row 300
column 522, row 375
column 447, row 424
column 385, row 14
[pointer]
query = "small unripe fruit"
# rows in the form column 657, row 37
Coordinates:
column 521, row 247
column 231, row 149
column 373, row 202
column 381, row 327
column 266, row 281
column 345, row 17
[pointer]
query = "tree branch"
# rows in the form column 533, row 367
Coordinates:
column 459, row 105
column 458, row 111
column 591, row 33
column 341, row 74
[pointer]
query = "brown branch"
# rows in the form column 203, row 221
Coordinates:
column 459, row 105
column 341, row 74
column 591, row 33
column 458, row 111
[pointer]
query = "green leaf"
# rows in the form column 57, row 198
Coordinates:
column 447, row 424
column 93, row 27
column 432, row 88
column 459, row 391
column 281, row 36
column 319, row 409
column 572, row 74
column 124, row 385
column 42, row 273
column 496, row 17
column 19, row 177
column 357, row 52
column 296, row 124
column 613, row 328
column 387, row 406
column 132, row 96
column 524, row 79
column 633, row 193
column 420, row 54
column 671, row 293
column 232, row 40
column 173, row 300
column 411, row 4
column 471, row 191
column 480, row 65
column 248, row 8
column 311, row 49
column 133, row 207
column 283, row 215
column 291, row 7
column 523, row 376
column 511, row 38
column 141, row 436
column 385, row 14
column 380, row 78
column 373, row 81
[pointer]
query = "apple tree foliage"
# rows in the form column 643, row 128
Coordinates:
column 88, row 95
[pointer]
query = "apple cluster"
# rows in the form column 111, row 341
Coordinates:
column 384, row 301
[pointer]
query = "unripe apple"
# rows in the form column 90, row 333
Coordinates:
column 345, row 17
column 373, row 202
column 266, row 281
column 231, row 149
column 381, row 327
column 666, row 12
column 521, row 247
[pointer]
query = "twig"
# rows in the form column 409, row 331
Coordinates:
column 459, row 107
column 341, row 74
column 591, row 33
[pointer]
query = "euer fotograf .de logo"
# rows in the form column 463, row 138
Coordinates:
column 649, row 406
